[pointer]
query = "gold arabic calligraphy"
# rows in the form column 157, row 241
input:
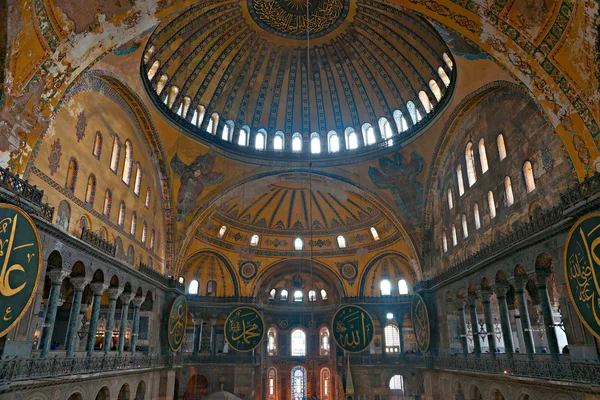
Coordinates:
column 177, row 324
column 5, row 287
column 353, row 329
column 245, row 326
column 421, row 324
column 325, row 15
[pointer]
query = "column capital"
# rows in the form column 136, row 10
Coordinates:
column 126, row 297
column 472, row 300
column 541, row 277
column 114, row 292
column 138, row 300
column 98, row 288
column 79, row 283
column 213, row 321
column 57, row 276
column 459, row 303
column 486, row 294
column 197, row 320
column 520, row 282
column 500, row 289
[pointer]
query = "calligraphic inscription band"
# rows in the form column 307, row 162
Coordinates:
column 582, row 270
column 244, row 329
column 353, row 328
column 21, row 263
column 421, row 325
column 177, row 323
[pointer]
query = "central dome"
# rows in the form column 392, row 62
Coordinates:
column 239, row 75
column 288, row 18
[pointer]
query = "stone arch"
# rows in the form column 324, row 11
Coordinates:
column 475, row 393
column 140, row 392
column 501, row 277
column 458, row 392
column 124, row 393
column 98, row 276
column 55, row 260
column 103, row 393
column 496, row 394
column 403, row 261
column 485, row 284
column 220, row 258
column 197, row 387
column 543, row 262
column 75, row 396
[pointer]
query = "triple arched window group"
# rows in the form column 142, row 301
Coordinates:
column 297, row 387
column 382, row 130
column 298, row 342
column 471, row 167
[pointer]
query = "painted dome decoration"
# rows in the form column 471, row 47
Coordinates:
column 374, row 76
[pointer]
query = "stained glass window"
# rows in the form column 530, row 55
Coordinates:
column 298, row 383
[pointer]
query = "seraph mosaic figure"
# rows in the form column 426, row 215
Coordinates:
column 194, row 178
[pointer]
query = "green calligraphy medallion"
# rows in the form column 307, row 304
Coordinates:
column 244, row 329
column 582, row 270
column 21, row 264
column 177, row 323
column 421, row 325
column 353, row 328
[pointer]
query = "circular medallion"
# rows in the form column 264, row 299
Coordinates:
column 244, row 329
column 20, row 251
column 287, row 18
column 353, row 328
column 312, row 324
column 283, row 323
column 177, row 323
column 348, row 271
column 582, row 270
column 420, row 318
column 248, row 270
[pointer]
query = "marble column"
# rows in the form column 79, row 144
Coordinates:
column 56, row 277
column 472, row 305
column 501, row 290
column 520, row 288
column 125, row 300
column 97, row 290
column 489, row 324
column 135, row 328
column 78, row 286
column 542, row 288
column 462, row 326
column 113, row 295
column 197, row 330
column 213, row 337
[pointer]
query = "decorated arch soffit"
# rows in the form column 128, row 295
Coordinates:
column 212, row 209
column 549, row 50
column 108, row 84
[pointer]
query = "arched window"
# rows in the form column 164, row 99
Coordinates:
column 351, row 139
column 284, row 295
column 228, row 129
column 198, row 116
column 459, row 178
column 272, row 341
column 412, row 111
column 184, row 106
column 323, row 294
column 402, row 287
column 483, row 156
column 298, row 295
column 213, row 124
column 254, row 240
column 260, row 141
column 444, row 242
column 147, row 202
column 400, row 121
column 160, row 85
column 152, row 239
column 138, row 179
column 465, row 227
column 435, row 89
column 425, row 101
column 244, row 136
column 298, row 343
column 471, row 174
column 72, row 174
column 324, row 341
column 298, row 244
column 107, row 203
column 325, row 384
column 148, row 54
column 144, row 232
column 173, row 92
column 491, row 204
column 116, row 153
column 278, row 141
column 297, row 142
column 222, row 231
column 91, row 190
column 315, row 143
column 374, row 234
column 385, row 287
column 341, row 241
column 397, row 382
column 193, row 287
column 454, row 237
column 510, row 198
column 298, row 377
column 97, row 145
column 528, row 175
column 312, row 295
column 448, row 61
column 501, row 147
column 476, row 216
column 153, row 69
column 368, row 134
column 122, row 214
column 211, row 288
column 444, row 76
column 450, row 200
column 386, row 130
column 272, row 384
column 128, row 162
column 272, row 294
column 392, row 339
column 333, row 142
column 133, row 223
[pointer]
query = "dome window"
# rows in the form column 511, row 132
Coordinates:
column 284, row 295
column 315, row 143
column 374, row 233
column 312, row 295
column 351, row 138
column 501, row 147
column 272, row 294
column 278, row 141
column 298, row 244
column 298, row 295
column 435, row 89
column 297, row 142
column 254, row 240
column 448, row 61
column 386, row 287
column 334, row 142
column 243, row 137
column 444, row 76
column 368, row 134
column 222, row 231
column 483, row 157
column 402, row 287
column 425, row 101
column 260, row 140
column 323, row 294
column 341, row 242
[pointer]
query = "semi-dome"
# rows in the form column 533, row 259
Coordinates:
column 239, row 74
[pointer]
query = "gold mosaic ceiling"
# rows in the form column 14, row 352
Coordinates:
column 247, row 62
